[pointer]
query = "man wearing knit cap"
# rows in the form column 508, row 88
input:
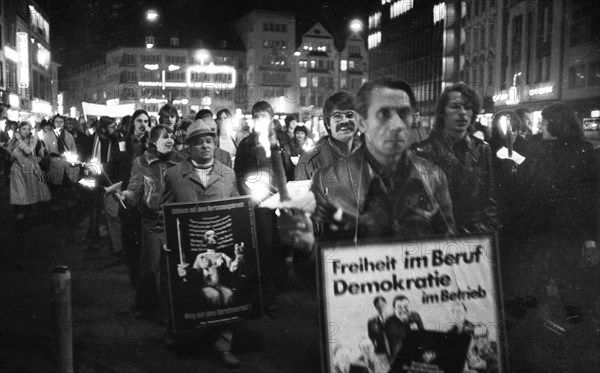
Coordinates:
column 201, row 178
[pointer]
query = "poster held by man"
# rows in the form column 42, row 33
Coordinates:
column 212, row 263
column 396, row 306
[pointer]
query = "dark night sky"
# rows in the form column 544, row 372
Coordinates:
column 82, row 29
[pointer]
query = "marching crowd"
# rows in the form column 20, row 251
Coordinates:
column 376, row 173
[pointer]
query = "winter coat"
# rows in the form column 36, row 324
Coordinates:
column 413, row 202
column 147, row 182
column 26, row 178
column 182, row 184
column 558, row 190
column 468, row 167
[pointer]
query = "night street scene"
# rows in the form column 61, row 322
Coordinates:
column 335, row 186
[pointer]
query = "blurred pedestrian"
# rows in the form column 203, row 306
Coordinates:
column 466, row 160
column 27, row 184
column 106, row 151
column 255, row 176
column 301, row 141
column 559, row 212
column 136, row 143
column 225, row 132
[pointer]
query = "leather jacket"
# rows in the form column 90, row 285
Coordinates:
column 413, row 202
column 325, row 153
column 468, row 167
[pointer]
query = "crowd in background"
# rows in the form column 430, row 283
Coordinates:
column 545, row 206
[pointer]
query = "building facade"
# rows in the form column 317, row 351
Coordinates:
column 27, row 75
column 130, row 78
column 416, row 42
column 514, row 53
column 550, row 53
column 269, row 39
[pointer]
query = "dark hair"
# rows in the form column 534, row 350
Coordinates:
column 562, row 121
column 262, row 106
column 289, row 119
column 134, row 116
column 185, row 123
column 169, row 110
column 156, row 132
column 104, row 122
column 377, row 299
column 467, row 93
column 363, row 97
column 203, row 113
column 224, row 111
column 55, row 118
column 23, row 124
column 398, row 298
column 301, row 128
column 339, row 100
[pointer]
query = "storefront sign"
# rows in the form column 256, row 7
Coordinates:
column 428, row 305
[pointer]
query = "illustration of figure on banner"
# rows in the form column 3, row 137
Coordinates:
column 400, row 323
column 482, row 355
column 375, row 327
column 214, row 269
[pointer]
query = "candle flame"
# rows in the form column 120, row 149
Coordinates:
column 94, row 166
column 88, row 183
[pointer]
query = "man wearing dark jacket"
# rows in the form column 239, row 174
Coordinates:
column 382, row 190
column 339, row 118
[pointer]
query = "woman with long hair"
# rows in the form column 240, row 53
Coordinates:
column 146, row 186
column 27, row 186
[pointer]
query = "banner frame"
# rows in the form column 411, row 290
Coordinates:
column 324, row 339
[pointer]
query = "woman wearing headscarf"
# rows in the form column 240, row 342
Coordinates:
column 27, row 186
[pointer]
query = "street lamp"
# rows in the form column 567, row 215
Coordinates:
column 202, row 55
column 151, row 15
column 356, row 25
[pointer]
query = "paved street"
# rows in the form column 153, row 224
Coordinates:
column 106, row 340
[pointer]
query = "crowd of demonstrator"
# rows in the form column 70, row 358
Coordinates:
column 367, row 178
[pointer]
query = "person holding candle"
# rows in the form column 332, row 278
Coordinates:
column 27, row 185
column 144, row 190
column 466, row 160
column 254, row 171
column 106, row 151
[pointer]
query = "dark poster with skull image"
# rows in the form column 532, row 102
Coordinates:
column 212, row 263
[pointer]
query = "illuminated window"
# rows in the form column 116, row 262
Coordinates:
column 313, row 63
column 303, row 81
column 343, row 65
column 315, row 81
column 400, row 7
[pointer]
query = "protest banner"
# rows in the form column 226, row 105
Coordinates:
column 212, row 263
column 429, row 305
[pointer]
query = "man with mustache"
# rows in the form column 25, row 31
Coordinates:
column 339, row 117
column 465, row 159
column 381, row 190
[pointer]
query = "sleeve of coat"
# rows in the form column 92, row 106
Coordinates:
column 443, row 221
column 135, row 188
column 488, row 203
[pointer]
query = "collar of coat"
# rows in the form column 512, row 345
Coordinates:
column 188, row 171
column 152, row 157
